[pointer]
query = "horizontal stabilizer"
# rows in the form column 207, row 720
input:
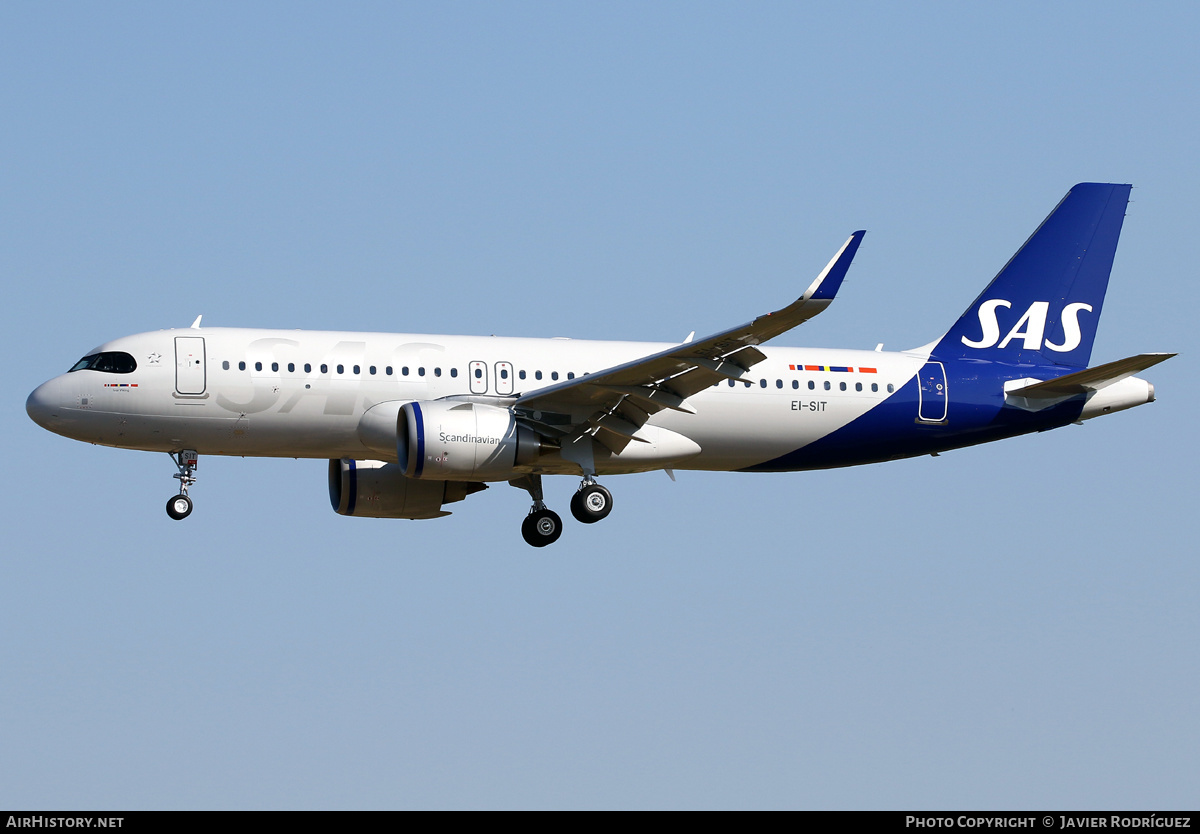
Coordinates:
column 1093, row 379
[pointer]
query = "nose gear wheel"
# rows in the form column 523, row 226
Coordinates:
column 180, row 507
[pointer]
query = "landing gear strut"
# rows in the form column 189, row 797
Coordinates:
column 542, row 526
column 591, row 502
column 180, row 507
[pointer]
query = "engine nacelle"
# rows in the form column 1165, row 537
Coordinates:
column 375, row 489
column 462, row 441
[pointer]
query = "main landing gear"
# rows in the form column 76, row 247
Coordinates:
column 591, row 502
column 180, row 507
column 543, row 526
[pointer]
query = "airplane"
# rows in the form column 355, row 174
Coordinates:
column 411, row 423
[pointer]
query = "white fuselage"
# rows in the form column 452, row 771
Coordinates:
column 291, row 393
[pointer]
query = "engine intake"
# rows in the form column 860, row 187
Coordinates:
column 462, row 441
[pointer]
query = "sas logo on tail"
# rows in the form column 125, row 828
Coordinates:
column 1031, row 328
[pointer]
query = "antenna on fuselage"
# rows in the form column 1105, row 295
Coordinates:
column 196, row 323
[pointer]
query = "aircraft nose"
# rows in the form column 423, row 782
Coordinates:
column 44, row 404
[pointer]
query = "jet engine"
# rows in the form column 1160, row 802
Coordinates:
column 376, row 489
column 462, row 441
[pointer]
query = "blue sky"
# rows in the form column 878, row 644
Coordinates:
column 1009, row 626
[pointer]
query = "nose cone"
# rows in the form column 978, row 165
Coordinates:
column 44, row 405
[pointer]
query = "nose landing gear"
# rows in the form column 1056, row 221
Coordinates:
column 180, row 507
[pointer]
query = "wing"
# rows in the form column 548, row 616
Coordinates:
column 611, row 405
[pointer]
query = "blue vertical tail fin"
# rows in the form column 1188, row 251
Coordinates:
column 1044, row 305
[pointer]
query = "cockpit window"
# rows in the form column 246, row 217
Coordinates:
column 109, row 362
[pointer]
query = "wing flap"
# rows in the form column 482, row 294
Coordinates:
column 652, row 400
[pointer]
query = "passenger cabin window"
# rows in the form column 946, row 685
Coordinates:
column 341, row 369
column 891, row 388
column 291, row 367
column 258, row 366
column 225, row 365
column 404, row 371
column 437, row 371
column 388, row 370
column 372, row 370
column 811, row 385
column 454, row 372
column 827, row 385
column 537, row 374
column 324, row 369
column 357, row 370
column 554, row 374
column 521, row 374
column 307, row 368
column 241, row 366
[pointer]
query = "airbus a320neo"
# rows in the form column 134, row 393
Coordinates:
column 411, row 423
